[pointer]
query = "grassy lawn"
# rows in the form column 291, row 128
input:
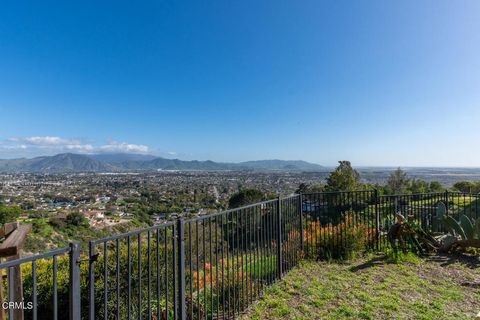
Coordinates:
column 372, row 288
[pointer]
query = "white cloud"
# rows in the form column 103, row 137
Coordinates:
column 12, row 147
column 124, row 147
column 80, row 147
column 43, row 145
column 49, row 141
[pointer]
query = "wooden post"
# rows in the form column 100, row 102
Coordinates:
column 17, row 287
column 10, row 249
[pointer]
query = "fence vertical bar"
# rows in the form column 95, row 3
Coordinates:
column 129, row 266
column 279, row 238
column 91, row 281
column 446, row 201
column 75, row 300
column 11, row 296
column 34, row 289
column 181, row 269
column 55, row 291
column 377, row 222
column 139, row 266
column 300, row 212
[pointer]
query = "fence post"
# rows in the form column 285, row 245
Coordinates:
column 91, row 280
column 377, row 222
column 181, row 269
column 279, row 238
column 75, row 297
column 446, row 201
column 300, row 211
column 396, row 206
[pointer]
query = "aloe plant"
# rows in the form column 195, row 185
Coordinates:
column 441, row 214
column 462, row 233
column 465, row 228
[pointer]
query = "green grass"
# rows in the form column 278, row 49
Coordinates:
column 373, row 288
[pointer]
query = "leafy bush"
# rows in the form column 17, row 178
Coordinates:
column 245, row 197
column 9, row 213
column 76, row 219
column 344, row 240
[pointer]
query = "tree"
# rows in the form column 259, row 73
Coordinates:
column 310, row 188
column 343, row 178
column 9, row 214
column 467, row 186
column 435, row 186
column 245, row 197
column 397, row 182
column 76, row 219
column 417, row 186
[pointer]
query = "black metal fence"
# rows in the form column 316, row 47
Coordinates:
column 63, row 292
column 212, row 266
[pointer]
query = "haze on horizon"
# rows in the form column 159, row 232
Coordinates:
column 377, row 83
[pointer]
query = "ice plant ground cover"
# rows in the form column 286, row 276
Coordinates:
column 437, row 287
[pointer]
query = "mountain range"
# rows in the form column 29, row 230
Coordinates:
column 121, row 162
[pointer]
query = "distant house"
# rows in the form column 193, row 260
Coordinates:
column 159, row 217
column 59, row 204
column 94, row 215
column 123, row 214
column 103, row 199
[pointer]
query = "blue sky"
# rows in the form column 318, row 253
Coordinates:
column 374, row 82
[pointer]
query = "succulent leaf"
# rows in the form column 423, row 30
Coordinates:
column 441, row 210
column 435, row 224
column 467, row 226
column 477, row 227
column 454, row 228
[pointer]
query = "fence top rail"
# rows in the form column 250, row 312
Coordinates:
column 198, row 218
column 239, row 209
column 396, row 195
column 339, row 192
column 132, row 233
column 253, row 205
column 35, row 257
column 464, row 193
column 206, row 216
column 412, row 194
column 293, row 196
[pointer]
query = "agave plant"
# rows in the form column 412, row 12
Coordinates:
column 465, row 228
column 462, row 233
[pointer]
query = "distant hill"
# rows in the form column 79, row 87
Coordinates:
column 176, row 164
column 121, row 157
column 289, row 165
column 69, row 162
column 9, row 165
column 65, row 162
column 263, row 165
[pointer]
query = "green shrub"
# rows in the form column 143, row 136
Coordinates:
column 344, row 240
